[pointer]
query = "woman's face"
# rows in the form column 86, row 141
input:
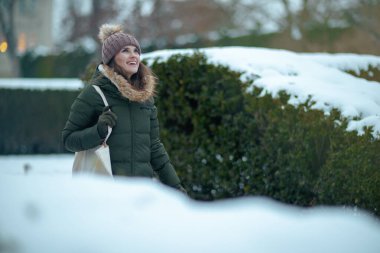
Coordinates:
column 128, row 59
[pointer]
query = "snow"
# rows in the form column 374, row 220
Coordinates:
column 345, row 61
column 37, row 164
column 303, row 75
column 41, row 83
column 49, row 211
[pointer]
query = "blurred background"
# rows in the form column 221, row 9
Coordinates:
column 39, row 38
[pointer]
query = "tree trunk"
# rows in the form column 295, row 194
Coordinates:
column 8, row 29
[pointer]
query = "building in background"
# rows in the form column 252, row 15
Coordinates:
column 33, row 27
column 33, row 22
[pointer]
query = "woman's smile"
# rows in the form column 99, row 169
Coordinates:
column 128, row 59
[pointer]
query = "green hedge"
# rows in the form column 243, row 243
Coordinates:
column 226, row 143
column 351, row 176
column 223, row 141
column 32, row 120
column 372, row 73
column 65, row 64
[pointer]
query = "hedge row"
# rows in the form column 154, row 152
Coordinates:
column 223, row 141
column 66, row 64
column 32, row 120
column 226, row 143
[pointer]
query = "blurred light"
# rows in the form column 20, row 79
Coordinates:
column 3, row 47
column 21, row 43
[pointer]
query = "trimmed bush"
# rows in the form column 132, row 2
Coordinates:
column 351, row 176
column 66, row 64
column 372, row 73
column 223, row 141
column 32, row 120
column 227, row 143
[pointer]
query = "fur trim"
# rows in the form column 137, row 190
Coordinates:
column 107, row 30
column 126, row 89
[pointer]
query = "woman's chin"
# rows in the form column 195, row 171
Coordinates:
column 129, row 71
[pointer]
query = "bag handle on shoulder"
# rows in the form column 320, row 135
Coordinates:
column 106, row 104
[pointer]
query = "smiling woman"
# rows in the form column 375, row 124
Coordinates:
column 128, row 61
column 129, row 87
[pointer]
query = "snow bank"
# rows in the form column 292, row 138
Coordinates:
column 345, row 61
column 302, row 75
column 93, row 214
column 41, row 83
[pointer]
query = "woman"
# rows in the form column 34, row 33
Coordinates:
column 129, row 87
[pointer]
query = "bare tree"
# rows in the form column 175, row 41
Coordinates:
column 170, row 22
column 247, row 16
column 365, row 15
column 136, row 20
column 312, row 25
column 291, row 25
column 7, row 9
column 87, row 25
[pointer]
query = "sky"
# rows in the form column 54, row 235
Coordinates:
column 47, row 210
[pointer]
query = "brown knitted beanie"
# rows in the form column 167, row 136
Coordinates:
column 114, row 39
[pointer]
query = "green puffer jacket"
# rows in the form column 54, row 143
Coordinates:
column 135, row 147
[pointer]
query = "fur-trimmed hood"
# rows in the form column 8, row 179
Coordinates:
column 126, row 89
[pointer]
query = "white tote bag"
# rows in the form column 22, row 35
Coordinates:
column 96, row 160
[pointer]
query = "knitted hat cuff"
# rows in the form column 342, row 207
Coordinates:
column 113, row 43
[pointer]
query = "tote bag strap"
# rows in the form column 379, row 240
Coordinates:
column 106, row 104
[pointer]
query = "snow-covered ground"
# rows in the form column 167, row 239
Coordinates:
column 36, row 165
column 41, row 83
column 46, row 210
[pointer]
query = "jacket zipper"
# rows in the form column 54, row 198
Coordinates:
column 132, row 133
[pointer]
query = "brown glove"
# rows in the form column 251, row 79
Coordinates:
column 107, row 118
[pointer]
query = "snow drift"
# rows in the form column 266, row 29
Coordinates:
column 45, row 213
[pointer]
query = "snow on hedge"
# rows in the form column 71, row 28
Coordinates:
column 46, row 213
column 320, row 76
column 345, row 61
column 41, row 83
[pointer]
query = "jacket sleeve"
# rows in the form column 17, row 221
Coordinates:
column 80, row 132
column 159, row 158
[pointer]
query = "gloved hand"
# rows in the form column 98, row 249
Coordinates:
column 107, row 118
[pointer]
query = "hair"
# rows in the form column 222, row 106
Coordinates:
column 138, row 79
